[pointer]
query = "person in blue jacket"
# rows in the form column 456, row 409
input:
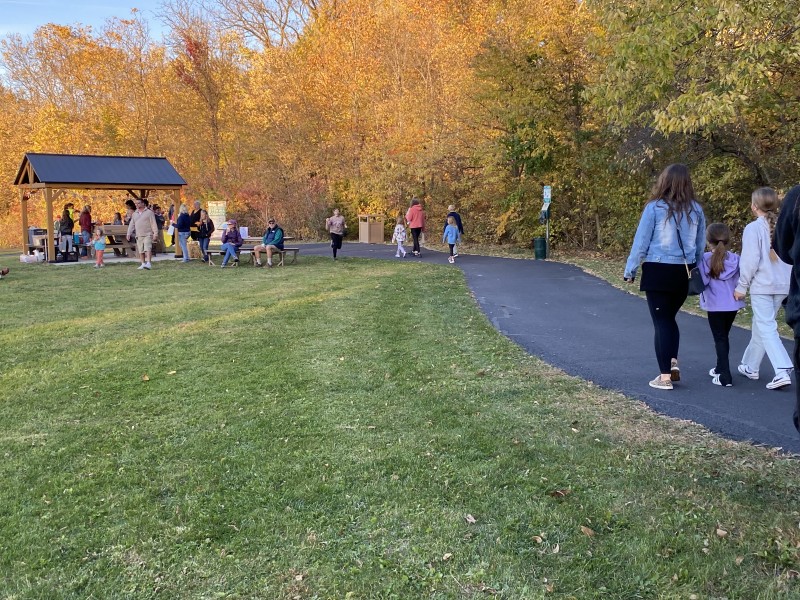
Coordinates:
column 669, row 242
column 451, row 236
column 272, row 240
column 452, row 213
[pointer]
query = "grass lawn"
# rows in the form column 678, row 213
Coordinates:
column 351, row 430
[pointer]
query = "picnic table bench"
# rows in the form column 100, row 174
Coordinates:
column 252, row 242
column 116, row 237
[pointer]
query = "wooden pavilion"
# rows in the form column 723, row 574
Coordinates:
column 53, row 174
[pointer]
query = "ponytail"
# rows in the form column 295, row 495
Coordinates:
column 766, row 200
column 718, row 237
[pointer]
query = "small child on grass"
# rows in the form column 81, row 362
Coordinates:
column 99, row 245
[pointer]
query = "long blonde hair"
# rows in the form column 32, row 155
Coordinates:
column 766, row 200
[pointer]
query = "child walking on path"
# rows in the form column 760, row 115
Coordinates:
column 451, row 236
column 720, row 271
column 767, row 277
column 399, row 236
column 99, row 244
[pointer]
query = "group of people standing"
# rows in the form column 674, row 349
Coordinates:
column 672, row 239
column 415, row 218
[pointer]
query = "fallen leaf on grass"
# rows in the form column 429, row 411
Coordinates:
column 588, row 531
column 549, row 587
column 739, row 560
column 537, row 539
column 556, row 549
column 470, row 519
column 722, row 533
column 172, row 373
column 447, row 556
column 560, row 493
column 145, row 377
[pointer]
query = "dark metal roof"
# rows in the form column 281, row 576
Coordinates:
column 83, row 170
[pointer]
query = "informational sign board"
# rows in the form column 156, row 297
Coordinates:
column 216, row 212
column 548, row 192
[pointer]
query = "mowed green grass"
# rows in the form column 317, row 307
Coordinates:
column 347, row 430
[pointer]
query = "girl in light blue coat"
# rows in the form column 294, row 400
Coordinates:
column 451, row 236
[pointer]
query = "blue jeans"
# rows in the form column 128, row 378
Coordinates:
column 204, row 247
column 230, row 252
column 183, row 236
column 86, row 237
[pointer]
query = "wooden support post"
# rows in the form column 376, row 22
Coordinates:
column 50, row 246
column 176, row 200
column 23, row 201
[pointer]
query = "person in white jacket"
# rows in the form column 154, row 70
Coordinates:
column 767, row 277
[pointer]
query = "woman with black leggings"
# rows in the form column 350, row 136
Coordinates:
column 415, row 217
column 669, row 242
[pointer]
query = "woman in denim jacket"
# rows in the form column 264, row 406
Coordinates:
column 669, row 241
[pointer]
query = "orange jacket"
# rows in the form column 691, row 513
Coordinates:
column 416, row 217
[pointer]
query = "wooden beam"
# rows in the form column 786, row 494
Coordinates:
column 23, row 200
column 176, row 200
column 48, row 200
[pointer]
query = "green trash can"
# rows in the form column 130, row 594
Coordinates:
column 540, row 248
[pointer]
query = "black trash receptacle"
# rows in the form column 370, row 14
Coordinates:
column 540, row 248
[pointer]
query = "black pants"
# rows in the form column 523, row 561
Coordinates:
column 720, row 324
column 796, row 357
column 451, row 248
column 336, row 242
column 415, row 231
column 663, row 308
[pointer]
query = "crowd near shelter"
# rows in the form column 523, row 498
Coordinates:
column 54, row 174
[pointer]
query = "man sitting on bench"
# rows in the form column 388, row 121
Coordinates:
column 273, row 240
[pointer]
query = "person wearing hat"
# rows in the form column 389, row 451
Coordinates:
column 272, row 240
column 231, row 242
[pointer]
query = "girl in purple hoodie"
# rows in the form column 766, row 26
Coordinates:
column 720, row 271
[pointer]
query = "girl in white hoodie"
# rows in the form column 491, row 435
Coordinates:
column 767, row 277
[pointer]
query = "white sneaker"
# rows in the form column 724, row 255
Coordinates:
column 715, row 380
column 745, row 370
column 397, row 256
column 140, row 267
column 713, row 372
column 451, row 260
column 148, row 266
column 779, row 381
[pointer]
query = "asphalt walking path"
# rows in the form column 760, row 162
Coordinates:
column 592, row 330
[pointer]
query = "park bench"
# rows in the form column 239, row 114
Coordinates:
column 252, row 242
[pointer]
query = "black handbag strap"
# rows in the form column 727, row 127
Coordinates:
column 680, row 243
